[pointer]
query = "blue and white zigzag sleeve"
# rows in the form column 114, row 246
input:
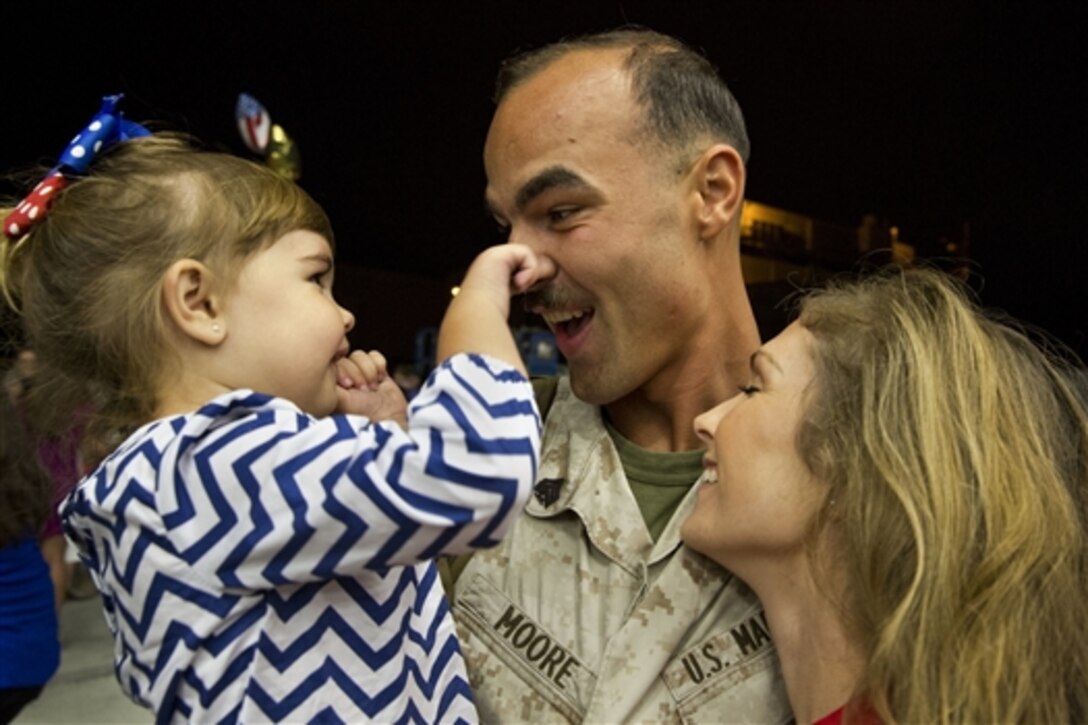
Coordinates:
column 278, row 497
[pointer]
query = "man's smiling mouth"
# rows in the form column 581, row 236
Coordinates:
column 568, row 322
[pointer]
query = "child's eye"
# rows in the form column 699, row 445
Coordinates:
column 748, row 390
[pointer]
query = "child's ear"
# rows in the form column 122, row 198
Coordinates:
column 193, row 302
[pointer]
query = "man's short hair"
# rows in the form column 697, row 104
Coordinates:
column 684, row 99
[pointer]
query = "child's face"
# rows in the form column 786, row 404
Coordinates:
column 284, row 330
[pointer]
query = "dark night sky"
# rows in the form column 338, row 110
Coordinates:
column 929, row 115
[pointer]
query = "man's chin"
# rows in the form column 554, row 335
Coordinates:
column 590, row 388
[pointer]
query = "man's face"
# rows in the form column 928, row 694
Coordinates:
column 569, row 176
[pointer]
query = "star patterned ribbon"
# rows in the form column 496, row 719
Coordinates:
column 106, row 128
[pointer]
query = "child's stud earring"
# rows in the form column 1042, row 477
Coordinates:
column 216, row 328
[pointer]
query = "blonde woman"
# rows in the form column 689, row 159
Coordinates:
column 903, row 485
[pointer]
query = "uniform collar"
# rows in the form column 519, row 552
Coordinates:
column 581, row 472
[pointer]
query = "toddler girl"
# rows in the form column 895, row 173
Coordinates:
column 262, row 539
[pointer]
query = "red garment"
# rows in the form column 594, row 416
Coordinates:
column 834, row 718
column 862, row 716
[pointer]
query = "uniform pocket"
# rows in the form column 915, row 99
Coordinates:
column 730, row 676
column 527, row 653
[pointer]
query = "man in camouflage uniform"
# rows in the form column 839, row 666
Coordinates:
column 622, row 157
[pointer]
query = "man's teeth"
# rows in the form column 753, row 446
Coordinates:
column 557, row 317
column 710, row 475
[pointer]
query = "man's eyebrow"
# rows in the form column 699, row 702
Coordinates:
column 553, row 177
column 550, row 178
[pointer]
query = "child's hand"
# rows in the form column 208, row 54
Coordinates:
column 505, row 270
column 364, row 388
column 476, row 320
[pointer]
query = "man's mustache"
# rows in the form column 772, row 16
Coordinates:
column 547, row 297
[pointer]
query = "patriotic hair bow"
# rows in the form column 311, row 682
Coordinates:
column 106, row 128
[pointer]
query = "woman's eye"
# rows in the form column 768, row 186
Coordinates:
column 748, row 390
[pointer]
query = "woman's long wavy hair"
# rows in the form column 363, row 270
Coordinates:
column 955, row 449
column 87, row 278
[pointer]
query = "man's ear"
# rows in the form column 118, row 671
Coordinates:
column 719, row 176
column 193, row 302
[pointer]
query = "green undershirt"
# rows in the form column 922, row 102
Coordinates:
column 658, row 480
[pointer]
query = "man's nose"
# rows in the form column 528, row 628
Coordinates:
column 531, row 238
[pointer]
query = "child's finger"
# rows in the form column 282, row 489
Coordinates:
column 379, row 363
column 365, row 364
column 533, row 269
column 348, row 374
column 371, row 366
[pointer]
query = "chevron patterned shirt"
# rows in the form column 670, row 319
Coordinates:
column 258, row 564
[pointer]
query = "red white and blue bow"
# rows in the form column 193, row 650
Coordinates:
column 106, row 128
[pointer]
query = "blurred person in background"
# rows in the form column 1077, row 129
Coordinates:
column 29, row 646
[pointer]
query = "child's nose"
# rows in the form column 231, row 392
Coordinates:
column 349, row 319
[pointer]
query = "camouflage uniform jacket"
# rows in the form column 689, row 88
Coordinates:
column 579, row 616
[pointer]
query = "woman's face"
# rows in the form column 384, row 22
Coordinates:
column 758, row 497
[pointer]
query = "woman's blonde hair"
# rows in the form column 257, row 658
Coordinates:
column 955, row 452
column 87, row 278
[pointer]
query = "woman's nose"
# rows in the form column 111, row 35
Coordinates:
column 707, row 422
